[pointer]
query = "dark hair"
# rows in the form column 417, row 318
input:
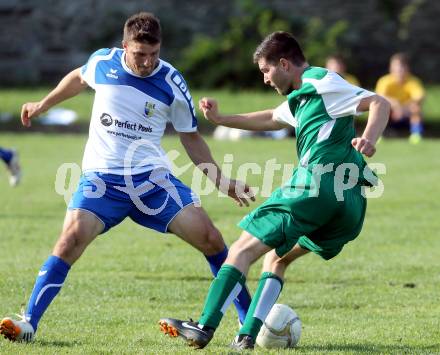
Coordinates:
column 142, row 27
column 400, row 57
column 279, row 45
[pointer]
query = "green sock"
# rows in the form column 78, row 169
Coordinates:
column 268, row 290
column 224, row 289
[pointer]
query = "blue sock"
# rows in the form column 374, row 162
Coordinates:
column 243, row 300
column 416, row 128
column 5, row 155
column 49, row 281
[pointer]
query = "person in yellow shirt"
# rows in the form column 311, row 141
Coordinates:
column 405, row 93
column 337, row 64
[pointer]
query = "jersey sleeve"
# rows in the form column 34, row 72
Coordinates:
column 88, row 69
column 283, row 114
column 340, row 97
column 183, row 115
column 415, row 89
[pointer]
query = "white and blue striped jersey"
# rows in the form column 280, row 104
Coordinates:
column 130, row 113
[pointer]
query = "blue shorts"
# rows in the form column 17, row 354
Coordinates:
column 151, row 199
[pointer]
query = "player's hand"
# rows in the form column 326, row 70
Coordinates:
column 364, row 146
column 238, row 190
column 209, row 107
column 31, row 110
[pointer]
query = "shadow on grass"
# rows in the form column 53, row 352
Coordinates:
column 173, row 278
column 208, row 277
column 372, row 348
column 57, row 343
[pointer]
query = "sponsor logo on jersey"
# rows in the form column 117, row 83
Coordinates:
column 106, row 119
column 112, row 74
column 149, row 109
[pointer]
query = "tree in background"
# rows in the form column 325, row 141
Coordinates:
column 226, row 61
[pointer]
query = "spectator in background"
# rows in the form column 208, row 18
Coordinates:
column 337, row 64
column 10, row 157
column 405, row 93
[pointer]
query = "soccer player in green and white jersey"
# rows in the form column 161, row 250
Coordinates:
column 320, row 209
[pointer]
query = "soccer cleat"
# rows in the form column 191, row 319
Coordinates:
column 415, row 138
column 17, row 330
column 14, row 169
column 243, row 342
column 188, row 330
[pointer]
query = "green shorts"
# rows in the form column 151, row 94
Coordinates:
column 309, row 214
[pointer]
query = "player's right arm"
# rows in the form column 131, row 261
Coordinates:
column 71, row 85
column 253, row 121
column 379, row 112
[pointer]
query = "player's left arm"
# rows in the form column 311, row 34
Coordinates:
column 379, row 112
column 200, row 154
column 252, row 121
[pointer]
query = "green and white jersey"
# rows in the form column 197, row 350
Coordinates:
column 322, row 113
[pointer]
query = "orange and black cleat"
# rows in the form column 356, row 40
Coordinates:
column 17, row 330
column 194, row 335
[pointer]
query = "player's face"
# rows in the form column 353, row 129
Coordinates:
column 276, row 75
column 141, row 58
column 399, row 70
column 335, row 65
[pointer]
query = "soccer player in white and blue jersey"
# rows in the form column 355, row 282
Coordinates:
column 125, row 171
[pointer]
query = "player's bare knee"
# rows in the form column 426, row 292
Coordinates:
column 72, row 238
column 64, row 247
column 279, row 264
column 241, row 252
column 212, row 241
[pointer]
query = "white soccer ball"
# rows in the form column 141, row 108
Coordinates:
column 281, row 329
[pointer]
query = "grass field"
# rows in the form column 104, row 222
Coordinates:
column 380, row 296
column 231, row 102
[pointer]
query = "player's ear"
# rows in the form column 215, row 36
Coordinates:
column 124, row 44
column 284, row 63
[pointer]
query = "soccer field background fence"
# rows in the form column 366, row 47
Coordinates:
column 64, row 34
